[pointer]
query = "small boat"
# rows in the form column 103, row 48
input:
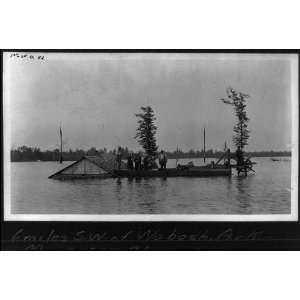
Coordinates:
column 275, row 159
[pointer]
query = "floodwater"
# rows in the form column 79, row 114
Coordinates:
column 268, row 191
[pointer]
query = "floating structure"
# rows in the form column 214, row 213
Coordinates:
column 175, row 172
column 105, row 166
column 89, row 167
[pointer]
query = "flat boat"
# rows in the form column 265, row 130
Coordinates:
column 174, row 172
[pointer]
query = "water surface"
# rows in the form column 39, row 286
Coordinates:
column 265, row 192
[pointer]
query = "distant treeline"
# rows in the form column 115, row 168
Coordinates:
column 25, row 153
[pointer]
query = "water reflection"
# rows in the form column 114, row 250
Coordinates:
column 130, row 180
column 118, row 191
column 244, row 186
column 148, row 201
column 163, row 182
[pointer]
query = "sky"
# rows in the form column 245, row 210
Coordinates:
column 94, row 98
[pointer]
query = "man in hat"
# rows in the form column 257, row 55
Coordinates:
column 162, row 159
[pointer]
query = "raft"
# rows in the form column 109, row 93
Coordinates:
column 174, row 172
column 105, row 167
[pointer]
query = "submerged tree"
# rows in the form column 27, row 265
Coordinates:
column 146, row 131
column 238, row 100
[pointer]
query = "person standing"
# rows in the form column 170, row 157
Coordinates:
column 146, row 162
column 137, row 161
column 130, row 162
column 119, row 158
column 162, row 159
column 165, row 160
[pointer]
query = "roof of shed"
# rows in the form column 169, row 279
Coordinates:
column 106, row 162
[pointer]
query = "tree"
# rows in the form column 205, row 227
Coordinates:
column 146, row 131
column 238, row 100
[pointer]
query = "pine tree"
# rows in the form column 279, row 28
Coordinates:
column 238, row 100
column 146, row 131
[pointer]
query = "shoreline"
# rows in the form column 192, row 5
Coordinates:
column 170, row 157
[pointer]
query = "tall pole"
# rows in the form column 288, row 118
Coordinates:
column 225, row 149
column 60, row 133
column 204, row 145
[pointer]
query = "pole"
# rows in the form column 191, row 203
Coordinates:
column 225, row 149
column 60, row 159
column 204, row 145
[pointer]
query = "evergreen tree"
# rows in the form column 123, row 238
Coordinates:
column 146, row 131
column 238, row 100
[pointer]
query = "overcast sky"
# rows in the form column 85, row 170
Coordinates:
column 95, row 96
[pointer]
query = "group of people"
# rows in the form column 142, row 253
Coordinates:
column 137, row 161
column 140, row 161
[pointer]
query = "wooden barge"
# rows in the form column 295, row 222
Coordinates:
column 95, row 167
column 170, row 172
column 174, row 172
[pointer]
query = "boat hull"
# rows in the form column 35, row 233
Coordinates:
column 197, row 172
